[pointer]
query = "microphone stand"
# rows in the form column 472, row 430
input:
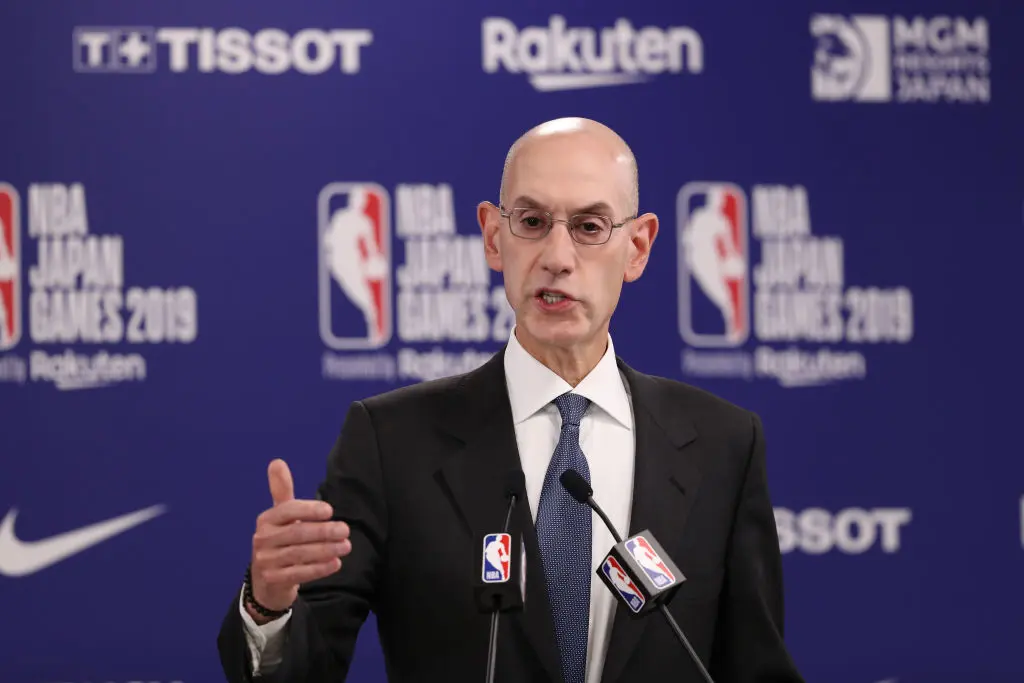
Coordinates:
column 680, row 636
column 492, row 647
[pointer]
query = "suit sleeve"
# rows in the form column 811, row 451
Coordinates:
column 321, row 634
column 749, row 645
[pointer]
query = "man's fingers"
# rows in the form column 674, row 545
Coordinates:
column 281, row 557
column 297, row 511
column 282, row 489
column 298, row 535
column 303, row 573
column 303, row 533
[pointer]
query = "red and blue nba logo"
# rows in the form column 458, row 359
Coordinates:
column 496, row 558
column 355, row 266
column 714, row 265
column 648, row 558
column 624, row 585
column 10, row 268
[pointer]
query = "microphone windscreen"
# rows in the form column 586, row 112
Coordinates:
column 515, row 484
column 576, row 485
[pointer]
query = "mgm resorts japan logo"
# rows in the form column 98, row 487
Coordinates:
column 866, row 58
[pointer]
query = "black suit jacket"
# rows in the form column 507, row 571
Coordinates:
column 418, row 474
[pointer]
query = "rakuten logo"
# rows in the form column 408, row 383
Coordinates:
column 561, row 58
column 207, row 50
column 852, row 531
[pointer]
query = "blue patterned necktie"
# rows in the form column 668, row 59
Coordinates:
column 563, row 529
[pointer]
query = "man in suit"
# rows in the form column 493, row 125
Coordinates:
column 417, row 475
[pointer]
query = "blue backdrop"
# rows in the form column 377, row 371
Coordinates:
column 223, row 223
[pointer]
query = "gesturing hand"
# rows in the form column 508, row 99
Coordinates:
column 295, row 542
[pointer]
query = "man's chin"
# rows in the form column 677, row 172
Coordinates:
column 566, row 334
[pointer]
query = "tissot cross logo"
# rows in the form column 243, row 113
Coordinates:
column 124, row 49
column 21, row 558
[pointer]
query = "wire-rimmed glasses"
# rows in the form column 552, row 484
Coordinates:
column 591, row 229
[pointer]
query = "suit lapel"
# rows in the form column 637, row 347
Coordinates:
column 665, row 481
column 479, row 415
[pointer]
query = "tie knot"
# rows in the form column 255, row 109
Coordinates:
column 572, row 406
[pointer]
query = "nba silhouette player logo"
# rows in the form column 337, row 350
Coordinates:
column 648, row 558
column 355, row 266
column 714, row 265
column 497, row 549
column 624, row 585
column 10, row 260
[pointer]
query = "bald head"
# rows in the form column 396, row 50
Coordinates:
column 595, row 137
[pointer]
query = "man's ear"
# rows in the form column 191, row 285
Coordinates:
column 643, row 231
column 489, row 218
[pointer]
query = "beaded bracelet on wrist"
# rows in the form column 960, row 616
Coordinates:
column 251, row 600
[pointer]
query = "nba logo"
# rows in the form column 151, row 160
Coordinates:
column 660, row 575
column 10, row 260
column 631, row 595
column 354, row 246
column 714, row 265
column 496, row 558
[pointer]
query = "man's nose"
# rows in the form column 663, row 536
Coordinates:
column 559, row 249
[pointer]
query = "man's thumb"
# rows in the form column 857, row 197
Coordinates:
column 281, row 487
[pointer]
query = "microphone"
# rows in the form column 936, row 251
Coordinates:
column 637, row 571
column 498, row 589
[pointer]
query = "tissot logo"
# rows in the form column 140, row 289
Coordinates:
column 139, row 49
column 122, row 49
column 852, row 531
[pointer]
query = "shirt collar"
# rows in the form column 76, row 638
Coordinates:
column 532, row 385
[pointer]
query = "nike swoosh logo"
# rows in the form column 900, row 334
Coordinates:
column 20, row 558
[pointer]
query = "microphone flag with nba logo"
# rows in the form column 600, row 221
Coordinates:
column 497, row 556
column 497, row 548
column 496, row 561
column 640, row 573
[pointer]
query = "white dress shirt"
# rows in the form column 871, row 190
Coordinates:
column 607, row 440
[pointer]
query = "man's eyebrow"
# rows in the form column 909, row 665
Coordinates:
column 527, row 202
column 598, row 207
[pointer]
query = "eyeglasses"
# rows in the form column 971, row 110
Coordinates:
column 591, row 229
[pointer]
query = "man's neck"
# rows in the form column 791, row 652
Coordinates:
column 571, row 364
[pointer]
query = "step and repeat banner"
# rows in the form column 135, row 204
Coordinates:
column 222, row 223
